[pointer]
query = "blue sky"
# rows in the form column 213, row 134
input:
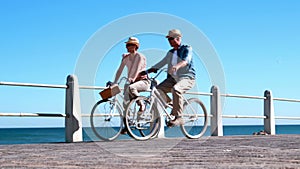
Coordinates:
column 41, row 40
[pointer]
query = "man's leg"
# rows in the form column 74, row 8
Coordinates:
column 166, row 87
column 183, row 85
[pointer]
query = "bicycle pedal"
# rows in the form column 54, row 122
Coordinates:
column 131, row 123
column 141, row 128
column 193, row 118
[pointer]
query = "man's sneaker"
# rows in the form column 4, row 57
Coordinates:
column 178, row 121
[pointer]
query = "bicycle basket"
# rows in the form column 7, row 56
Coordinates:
column 110, row 91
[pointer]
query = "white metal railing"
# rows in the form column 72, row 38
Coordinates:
column 92, row 87
column 268, row 116
column 242, row 96
column 42, row 114
column 33, row 85
column 73, row 111
column 38, row 114
column 244, row 116
column 73, row 124
column 287, row 100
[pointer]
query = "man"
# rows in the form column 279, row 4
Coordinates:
column 181, row 74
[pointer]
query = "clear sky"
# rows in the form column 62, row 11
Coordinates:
column 257, row 43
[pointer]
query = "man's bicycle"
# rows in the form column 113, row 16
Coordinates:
column 143, row 125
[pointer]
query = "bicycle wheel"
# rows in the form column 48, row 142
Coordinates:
column 142, row 125
column 106, row 120
column 195, row 119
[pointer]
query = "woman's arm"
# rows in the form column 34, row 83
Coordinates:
column 119, row 71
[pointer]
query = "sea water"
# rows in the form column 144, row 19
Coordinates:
column 56, row 135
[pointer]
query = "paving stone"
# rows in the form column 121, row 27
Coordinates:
column 279, row 151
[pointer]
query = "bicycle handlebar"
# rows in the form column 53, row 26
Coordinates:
column 122, row 79
column 159, row 72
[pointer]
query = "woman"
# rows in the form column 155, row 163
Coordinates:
column 135, row 63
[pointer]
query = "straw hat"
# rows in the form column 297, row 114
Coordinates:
column 174, row 33
column 133, row 40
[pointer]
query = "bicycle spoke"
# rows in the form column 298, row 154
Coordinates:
column 106, row 120
column 195, row 118
column 142, row 125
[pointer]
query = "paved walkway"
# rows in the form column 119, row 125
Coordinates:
column 280, row 151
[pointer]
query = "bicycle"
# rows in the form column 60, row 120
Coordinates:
column 107, row 117
column 148, row 122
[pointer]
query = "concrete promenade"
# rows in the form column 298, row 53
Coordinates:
column 279, row 151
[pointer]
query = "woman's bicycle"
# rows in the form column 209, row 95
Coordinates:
column 107, row 116
column 143, row 125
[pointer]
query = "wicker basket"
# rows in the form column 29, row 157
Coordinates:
column 110, row 91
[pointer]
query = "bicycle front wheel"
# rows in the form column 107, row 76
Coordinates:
column 106, row 120
column 195, row 119
column 142, row 125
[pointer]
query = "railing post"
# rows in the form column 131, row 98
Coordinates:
column 269, row 121
column 161, row 132
column 73, row 122
column 216, row 124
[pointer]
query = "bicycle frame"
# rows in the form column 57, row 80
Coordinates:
column 151, row 119
column 155, row 96
column 116, row 101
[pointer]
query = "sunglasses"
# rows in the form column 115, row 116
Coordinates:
column 129, row 44
column 170, row 38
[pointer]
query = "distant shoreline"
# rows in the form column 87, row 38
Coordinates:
column 231, row 125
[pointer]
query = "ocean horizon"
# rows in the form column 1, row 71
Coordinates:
column 57, row 135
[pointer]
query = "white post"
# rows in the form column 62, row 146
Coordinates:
column 216, row 124
column 269, row 121
column 73, row 122
column 161, row 131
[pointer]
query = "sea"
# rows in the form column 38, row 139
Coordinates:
column 57, row 135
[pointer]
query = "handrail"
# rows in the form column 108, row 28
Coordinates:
column 199, row 93
column 243, row 96
column 287, row 118
column 33, row 85
column 215, row 115
column 244, row 116
column 92, row 87
column 288, row 100
column 21, row 114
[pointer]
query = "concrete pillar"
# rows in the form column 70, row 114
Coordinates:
column 216, row 123
column 160, row 113
column 73, row 121
column 161, row 130
column 269, row 121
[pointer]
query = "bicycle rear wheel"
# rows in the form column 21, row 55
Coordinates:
column 106, row 120
column 195, row 119
column 142, row 125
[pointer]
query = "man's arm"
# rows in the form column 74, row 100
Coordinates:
column 186, row 58
column 178, row 66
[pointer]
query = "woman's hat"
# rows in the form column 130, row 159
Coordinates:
column 133, row 40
